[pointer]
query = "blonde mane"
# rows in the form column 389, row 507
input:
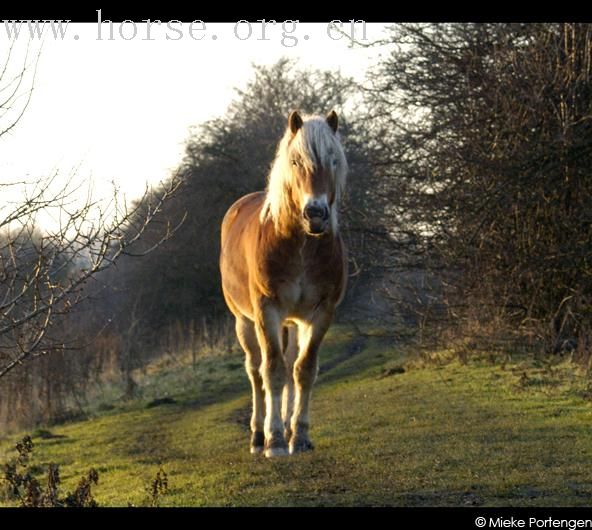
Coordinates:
column 315, row 141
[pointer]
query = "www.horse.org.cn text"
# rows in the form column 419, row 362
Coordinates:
column 287, row 33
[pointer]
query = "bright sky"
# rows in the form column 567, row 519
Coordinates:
column 121, row 109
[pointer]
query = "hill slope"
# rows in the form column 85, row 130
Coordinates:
column 389, row 429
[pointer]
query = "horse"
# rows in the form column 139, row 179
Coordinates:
column 283, row 265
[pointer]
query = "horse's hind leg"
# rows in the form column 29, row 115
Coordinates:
column 245, row 331
column 290, row 344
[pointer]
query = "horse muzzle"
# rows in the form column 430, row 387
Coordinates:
column 316, row 219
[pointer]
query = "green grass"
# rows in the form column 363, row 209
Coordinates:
column 390, row 428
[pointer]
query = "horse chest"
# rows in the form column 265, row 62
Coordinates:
column 301, row 290
column 302, row 274
column 297, row 294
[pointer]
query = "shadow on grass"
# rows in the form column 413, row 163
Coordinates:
column 355, row 358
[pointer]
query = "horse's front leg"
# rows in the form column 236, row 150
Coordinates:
column 273, row 372
column 310, row 335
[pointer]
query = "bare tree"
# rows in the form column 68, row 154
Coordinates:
column 44, row 272
column 17, row 80
column 482, row 138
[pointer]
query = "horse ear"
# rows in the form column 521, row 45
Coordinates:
column 294, row 121
column 333, row 120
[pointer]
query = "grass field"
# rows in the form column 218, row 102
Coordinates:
column 391, row 428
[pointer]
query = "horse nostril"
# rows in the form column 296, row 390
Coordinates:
column 315, row 211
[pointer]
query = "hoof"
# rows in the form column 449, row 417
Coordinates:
column 301, row 445
column 276, row 446
column 257, row 443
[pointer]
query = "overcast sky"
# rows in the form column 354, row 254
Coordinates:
column 121, row 109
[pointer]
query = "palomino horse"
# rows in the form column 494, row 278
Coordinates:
column 284, row 270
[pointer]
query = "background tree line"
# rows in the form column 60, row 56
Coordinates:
column 467, row 213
